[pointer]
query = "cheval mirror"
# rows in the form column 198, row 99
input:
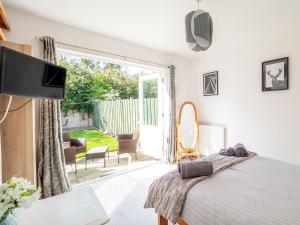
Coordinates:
column 187, row 128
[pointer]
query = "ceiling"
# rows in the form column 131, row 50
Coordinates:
column 159, row 24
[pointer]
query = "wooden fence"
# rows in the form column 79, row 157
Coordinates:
column 122, row 116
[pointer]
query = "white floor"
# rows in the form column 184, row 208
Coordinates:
column 96, row 169
column 123, row 196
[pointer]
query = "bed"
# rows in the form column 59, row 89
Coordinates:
column 258, row 191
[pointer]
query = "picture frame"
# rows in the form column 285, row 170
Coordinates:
column 275, row 75
column 211, row 83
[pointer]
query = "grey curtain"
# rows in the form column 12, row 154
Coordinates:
column 170, row 116
column 52, row 176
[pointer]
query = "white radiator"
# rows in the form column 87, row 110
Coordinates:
column 212, row 139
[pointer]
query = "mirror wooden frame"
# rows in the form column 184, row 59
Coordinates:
column 182, row 151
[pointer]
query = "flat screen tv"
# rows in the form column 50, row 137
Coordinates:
column 24, row 75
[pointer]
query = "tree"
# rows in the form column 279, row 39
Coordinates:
column 79, row 86
column 112, row 66
column 126, row 86
column 150, row 88
column 89, row 80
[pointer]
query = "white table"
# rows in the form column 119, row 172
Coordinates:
column 78, row 207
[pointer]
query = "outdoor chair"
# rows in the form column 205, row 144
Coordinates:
column 70, row 157
column 77, row 145
column 127, row 143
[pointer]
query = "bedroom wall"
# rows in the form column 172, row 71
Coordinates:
column 26, row 28
column 246, row 34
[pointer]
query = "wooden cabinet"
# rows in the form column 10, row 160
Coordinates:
column 3, row 22
column 18, row 144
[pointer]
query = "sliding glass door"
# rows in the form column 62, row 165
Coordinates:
column 150, row 114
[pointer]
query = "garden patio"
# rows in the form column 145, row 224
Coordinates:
column 95, row 168
column 104, row 100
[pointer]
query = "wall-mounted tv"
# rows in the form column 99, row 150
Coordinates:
column 24, row 75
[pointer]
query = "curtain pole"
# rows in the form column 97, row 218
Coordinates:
column 125, row 58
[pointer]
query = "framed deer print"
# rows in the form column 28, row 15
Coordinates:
column 210, row 84
column 275, row 75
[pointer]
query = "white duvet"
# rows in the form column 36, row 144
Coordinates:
column 258, row 191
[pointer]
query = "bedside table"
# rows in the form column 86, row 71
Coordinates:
column 78, row 207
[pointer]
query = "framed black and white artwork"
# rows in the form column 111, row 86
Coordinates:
column 210, row 84
column 275, row 75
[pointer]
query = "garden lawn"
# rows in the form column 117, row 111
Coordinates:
column 95, row 139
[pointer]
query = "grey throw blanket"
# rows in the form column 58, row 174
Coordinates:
column 196, row 168
column 167, row 194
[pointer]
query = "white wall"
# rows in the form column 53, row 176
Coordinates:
column 246, row 34
column 26, row 28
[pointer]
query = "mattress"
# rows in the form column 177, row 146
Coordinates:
column 258, row 191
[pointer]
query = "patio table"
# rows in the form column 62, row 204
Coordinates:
column 97, row 153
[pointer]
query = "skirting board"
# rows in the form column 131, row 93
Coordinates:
column 212, row 139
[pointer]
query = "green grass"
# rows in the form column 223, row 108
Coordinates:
column 95, row 139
